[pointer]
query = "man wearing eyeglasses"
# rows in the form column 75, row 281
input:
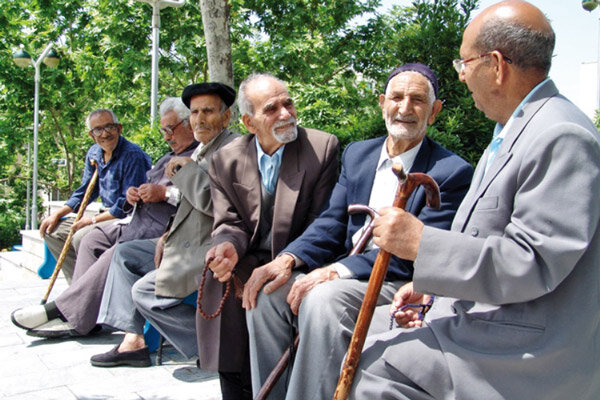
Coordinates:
column 74, row 312
column 517, row 280
column 121, row 164
column 149, row 279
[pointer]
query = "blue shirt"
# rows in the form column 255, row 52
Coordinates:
column 127, row 167
column 269, row 166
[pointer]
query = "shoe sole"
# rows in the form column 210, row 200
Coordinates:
column 52, row 334
column 124, row 363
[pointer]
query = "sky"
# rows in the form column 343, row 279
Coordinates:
column 576, row 32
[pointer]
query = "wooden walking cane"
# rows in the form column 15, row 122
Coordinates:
column 65, row 249
column 284, row 360
column 407, row 184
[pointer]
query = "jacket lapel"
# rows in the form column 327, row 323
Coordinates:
column 505, row 153
column 286, row 194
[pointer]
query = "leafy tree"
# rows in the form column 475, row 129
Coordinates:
column 335, row 56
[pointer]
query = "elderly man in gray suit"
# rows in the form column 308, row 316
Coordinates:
column 519, row 271
column 159, row 294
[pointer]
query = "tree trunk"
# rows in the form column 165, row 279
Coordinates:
column 215, row 20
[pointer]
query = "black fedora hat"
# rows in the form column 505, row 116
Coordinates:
column 226, row 93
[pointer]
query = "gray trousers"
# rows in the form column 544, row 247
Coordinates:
column 325, row 324
column 80, row 302
column 391, row 367
column 129, row 299
column 56, row 241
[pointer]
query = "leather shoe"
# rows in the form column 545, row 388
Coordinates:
column 55, row 328
column 29, row 317
column 135, row 358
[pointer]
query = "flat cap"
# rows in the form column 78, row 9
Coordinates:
column 416, row 67
column 226, row 93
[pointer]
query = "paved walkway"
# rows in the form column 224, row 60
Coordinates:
column 34, row 368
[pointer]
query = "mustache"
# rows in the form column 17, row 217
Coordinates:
column 201, row 126
column 290, row 120
column 402, row 118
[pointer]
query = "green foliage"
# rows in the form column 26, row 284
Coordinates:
column 335, row 56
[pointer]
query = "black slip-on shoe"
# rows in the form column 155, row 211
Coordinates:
column 112, row 358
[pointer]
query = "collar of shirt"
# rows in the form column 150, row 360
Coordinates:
column 500, row 130
column 98, row 154
column 407, row 159
column 385, row 183
column 268, row 166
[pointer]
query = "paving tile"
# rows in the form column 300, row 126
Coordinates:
column 36, row 368
column 60, row 393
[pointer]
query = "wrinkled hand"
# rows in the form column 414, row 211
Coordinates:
column 303, row 285
column 277, row 272
column 82, row 223
column 132, row 196
column 48, row 224
column 408, row 318
column 152, row 193
column 224, row 258
column 175, row 162
column 159, row 250
column 398, row 232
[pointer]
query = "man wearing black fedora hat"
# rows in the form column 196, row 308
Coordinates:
column 149, row 279
column 267, row 186
column 74, row 312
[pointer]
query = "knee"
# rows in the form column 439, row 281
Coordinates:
column 137, row 293
column 320, row 298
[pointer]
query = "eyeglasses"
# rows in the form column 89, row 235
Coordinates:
column 99, row 130
column 459, row 64
column 168, row 130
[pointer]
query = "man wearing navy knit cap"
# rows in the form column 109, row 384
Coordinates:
column 313, row 286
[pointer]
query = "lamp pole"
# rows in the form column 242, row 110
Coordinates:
column 590, row 5
column 27, row 208
column 51, row 60
column 157, row 5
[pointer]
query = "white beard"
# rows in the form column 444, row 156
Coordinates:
column 400, row 131
column 288, row 135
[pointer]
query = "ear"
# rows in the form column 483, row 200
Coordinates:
column 120, row 128
column 248, row 123
column 500, row 67
column 437, row 107
column 381, row 100
column 226, row 117
column 381, row 104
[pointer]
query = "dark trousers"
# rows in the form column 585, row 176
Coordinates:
column 237, row 385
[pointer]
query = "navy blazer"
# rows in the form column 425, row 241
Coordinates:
column 329, row 237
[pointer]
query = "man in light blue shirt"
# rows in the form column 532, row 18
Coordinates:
column 121, row 164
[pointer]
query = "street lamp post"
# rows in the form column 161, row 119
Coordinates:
column 22, row 59
column 157, row 5
column 590, row 5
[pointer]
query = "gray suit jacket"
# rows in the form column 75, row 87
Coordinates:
column 523, row 256
column 189, row 234
column 308, row 173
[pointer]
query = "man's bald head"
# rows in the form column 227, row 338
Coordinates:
column 517, row 29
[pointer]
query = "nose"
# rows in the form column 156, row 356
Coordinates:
column 461, row 75
column 404, row 105
column 284, row 114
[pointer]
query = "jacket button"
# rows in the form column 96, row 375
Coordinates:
column 474, row 231
column 186, row 245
